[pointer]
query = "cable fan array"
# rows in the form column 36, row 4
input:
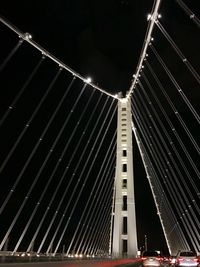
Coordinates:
column 58, row 142
column 166, row 127
column 58, row 156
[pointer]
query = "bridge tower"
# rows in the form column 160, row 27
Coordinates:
column 124, row 242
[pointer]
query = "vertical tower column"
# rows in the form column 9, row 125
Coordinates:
column 124, row 230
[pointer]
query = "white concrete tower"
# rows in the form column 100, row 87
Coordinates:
column 124, row 230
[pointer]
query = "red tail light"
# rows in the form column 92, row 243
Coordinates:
column 143, row 258
column 180, row 259
column 196, row 260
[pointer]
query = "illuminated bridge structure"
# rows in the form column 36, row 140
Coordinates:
column 59, row 144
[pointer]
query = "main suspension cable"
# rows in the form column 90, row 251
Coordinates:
column 28, row 38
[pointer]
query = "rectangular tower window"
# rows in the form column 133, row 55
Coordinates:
column 124, row 203
column 124, row 225
column 124, row 183
column 124, row 167
column 124, row 153
column 123, row 109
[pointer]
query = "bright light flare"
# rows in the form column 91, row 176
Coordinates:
column 149, row 17
column 88, row 80
column 28, row 36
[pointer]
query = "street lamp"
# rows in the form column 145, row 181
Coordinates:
column 145, row 242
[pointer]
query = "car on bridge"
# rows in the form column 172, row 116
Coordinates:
column 151, row 258
column 187, row 258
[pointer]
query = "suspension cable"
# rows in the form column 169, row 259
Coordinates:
column 83, row 185
column 28, row 38
column 12, row 105
column 178, row 51
column 98, row 220
column 181, row 192
column 161, row 171
column 63, row 176
column 187, row 102
column 180, row 238
column 36, row 178
column 178, row 201
column 95, row 220
column 172, row 160
column 167, row 135
column 36, row 146
column 92, row 192
column 169, row 121
column 49, row 180
column 77, row 165
column 11, row 54
column 150, row 172
column 35, row 112
column 95, row 214
column 189, row 12
column 147, row 40
column 101, row 193
column 160, row 168
column 88, row 172
column 142, row 153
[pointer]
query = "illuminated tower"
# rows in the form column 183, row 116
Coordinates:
column 124, row 230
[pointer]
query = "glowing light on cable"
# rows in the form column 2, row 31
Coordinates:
column 27, row 36
column 146, row 42
column 88, row 80
column 149, row 17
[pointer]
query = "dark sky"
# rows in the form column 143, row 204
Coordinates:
column 102, row 39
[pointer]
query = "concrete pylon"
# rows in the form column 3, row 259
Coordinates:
column 124, row 241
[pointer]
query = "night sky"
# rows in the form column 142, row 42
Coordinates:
column 102, row 39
